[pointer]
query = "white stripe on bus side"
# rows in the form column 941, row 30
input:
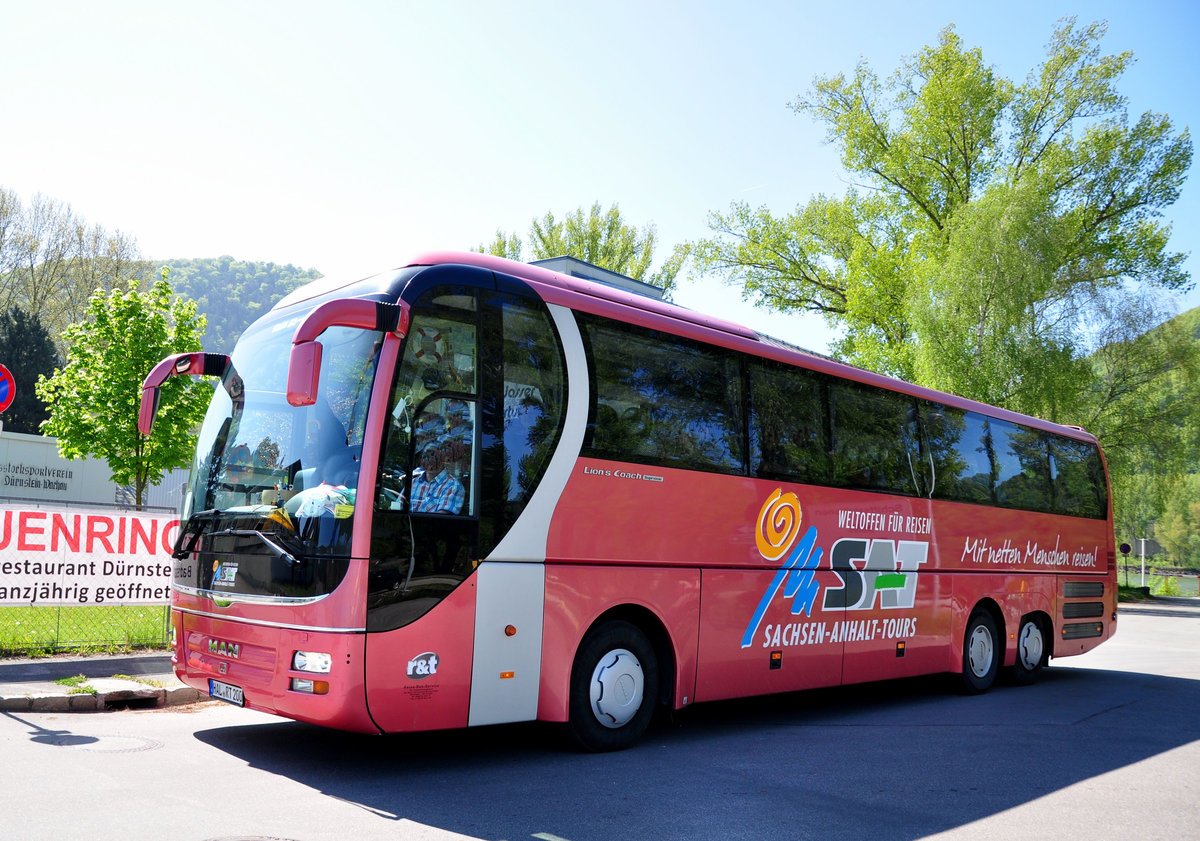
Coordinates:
column 506, row 668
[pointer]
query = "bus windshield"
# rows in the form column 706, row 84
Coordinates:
column 274, row 480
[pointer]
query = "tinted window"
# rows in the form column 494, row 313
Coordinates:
column 1022, row 466
column 1078, row 478
column 661, row 399
column 534, row 396
column 424, row 535
column 874, row 439
column 787, row 423
column 960, row 446
column 429, row 454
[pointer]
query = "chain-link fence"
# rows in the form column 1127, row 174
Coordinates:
column 61, row 514
column 34, row 630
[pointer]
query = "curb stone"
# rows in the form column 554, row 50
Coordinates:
column 32, row 688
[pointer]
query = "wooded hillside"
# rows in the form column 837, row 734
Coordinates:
column 233, row 293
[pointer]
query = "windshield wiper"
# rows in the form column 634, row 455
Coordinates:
column 279, row 551
column 195, row 528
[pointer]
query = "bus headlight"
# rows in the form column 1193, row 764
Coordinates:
column 312, row 661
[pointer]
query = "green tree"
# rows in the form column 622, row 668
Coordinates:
column 94, row 398
column 599, row 237
column 992, row 223
column 1178, row 529
column 28, row 351
column 1154, row 430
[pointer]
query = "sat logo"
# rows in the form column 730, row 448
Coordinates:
column 423, row 665
column 875, row 572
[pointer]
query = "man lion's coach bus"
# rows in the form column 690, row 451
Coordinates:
column 472, row 491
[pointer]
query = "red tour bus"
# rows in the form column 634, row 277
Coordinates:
column 472, row 491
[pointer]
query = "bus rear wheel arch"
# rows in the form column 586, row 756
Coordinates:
column 615, row 683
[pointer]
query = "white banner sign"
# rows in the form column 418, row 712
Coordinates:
column 84, row 557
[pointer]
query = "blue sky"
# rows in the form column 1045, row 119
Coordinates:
column 348, row 137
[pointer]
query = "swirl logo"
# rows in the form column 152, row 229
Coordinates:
column 778, row 524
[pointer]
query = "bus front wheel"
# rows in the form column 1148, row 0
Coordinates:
column 614, row 684
column 981, row 653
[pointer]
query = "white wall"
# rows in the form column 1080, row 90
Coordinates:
column 31, row 470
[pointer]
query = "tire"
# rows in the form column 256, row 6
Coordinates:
column 981, row 653
column 1032, row 652
column 614, row 685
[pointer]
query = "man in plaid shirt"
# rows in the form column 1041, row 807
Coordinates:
column 435, row 490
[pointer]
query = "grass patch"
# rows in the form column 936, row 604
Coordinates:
column 73, row 680
column 41, row 631
column 157, row 684
column 78, row 685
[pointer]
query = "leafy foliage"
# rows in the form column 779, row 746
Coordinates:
column 28, row 351
column 52, row 260
column 94, row 399
column 601, row 238
column 1003, row 241
column 1156, row 483
column 993, row 222
column 232, row 293
column 1178, row 529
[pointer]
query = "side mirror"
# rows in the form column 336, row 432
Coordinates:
column 203, row 364
column 304, row 365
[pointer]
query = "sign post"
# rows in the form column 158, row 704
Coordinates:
column 8, row 388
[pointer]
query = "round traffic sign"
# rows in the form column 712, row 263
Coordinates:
column 8, row 388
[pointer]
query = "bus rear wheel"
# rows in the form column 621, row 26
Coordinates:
column 981, row 653
column 1031, row 652
column 614, row 684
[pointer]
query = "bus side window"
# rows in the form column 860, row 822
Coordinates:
column 1078, row 478
column 1022, row 466
column 874, row 447
column 959, row 450
column 787, row 424
column 663, row 399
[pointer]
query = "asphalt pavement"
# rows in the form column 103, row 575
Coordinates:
column 102, row 682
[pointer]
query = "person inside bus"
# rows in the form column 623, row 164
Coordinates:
column 435, row 487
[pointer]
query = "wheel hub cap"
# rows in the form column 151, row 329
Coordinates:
column 1030, row 647
column 617, row 688
column 980, row 652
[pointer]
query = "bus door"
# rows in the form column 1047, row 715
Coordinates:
column 475, row 414
column 425, row 533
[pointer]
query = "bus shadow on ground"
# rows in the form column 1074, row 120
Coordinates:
column 900, row 759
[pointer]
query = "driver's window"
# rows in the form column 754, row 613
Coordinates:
column 429, row 456
column 443, row 457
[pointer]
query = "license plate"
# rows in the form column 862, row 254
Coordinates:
column 227, row 692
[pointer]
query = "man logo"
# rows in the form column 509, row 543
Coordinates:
column 225, row 649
